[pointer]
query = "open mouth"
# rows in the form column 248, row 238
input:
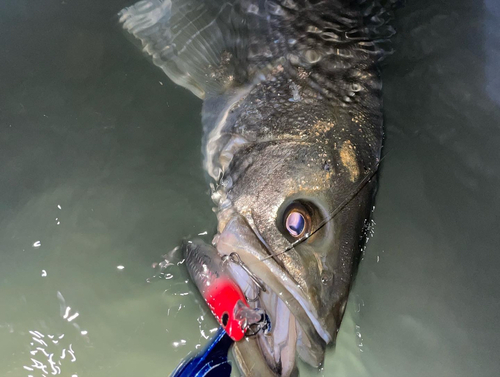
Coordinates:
column 277, row 345
column 295, row 329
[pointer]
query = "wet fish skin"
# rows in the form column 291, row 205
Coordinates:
column 318, row 165
column 292, row 115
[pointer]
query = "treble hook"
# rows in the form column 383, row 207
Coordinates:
column 235, row 258
column 263, row 325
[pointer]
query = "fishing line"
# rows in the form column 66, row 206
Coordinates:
column 332, row 214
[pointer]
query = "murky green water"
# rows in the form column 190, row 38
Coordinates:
column 100, row 175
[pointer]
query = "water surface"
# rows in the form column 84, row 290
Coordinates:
column 101, row 176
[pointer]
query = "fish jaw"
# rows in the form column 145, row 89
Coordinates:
column 295, row 326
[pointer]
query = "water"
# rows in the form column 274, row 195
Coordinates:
column 100, row 175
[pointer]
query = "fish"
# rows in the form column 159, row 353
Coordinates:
column 211, row 361
column 292, row 139
column 223, row 296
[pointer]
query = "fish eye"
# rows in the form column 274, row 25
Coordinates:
column 295, row 223
column 296, row 220
column 225, row 319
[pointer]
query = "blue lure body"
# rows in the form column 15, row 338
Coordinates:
column 210, row 361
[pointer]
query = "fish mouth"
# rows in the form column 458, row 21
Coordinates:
column 295, row 326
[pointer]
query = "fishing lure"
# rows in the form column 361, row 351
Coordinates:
column 209, row 362
column 223, row 296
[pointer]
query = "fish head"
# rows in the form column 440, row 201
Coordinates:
column 293, row 126
column 287, row 190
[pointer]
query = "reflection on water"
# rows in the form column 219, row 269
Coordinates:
column 53, row 354
column 101, row 178
column 48, row 355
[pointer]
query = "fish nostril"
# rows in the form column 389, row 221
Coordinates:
column 326, row 277
column 225, row 319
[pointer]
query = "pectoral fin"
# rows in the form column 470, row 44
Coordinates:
column 204, row 46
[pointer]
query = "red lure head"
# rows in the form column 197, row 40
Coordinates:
column 224, row 297
column 226, row 300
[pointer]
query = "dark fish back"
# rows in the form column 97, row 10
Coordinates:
column 211, row 46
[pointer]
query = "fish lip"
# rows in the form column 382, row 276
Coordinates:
column 272, row 274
